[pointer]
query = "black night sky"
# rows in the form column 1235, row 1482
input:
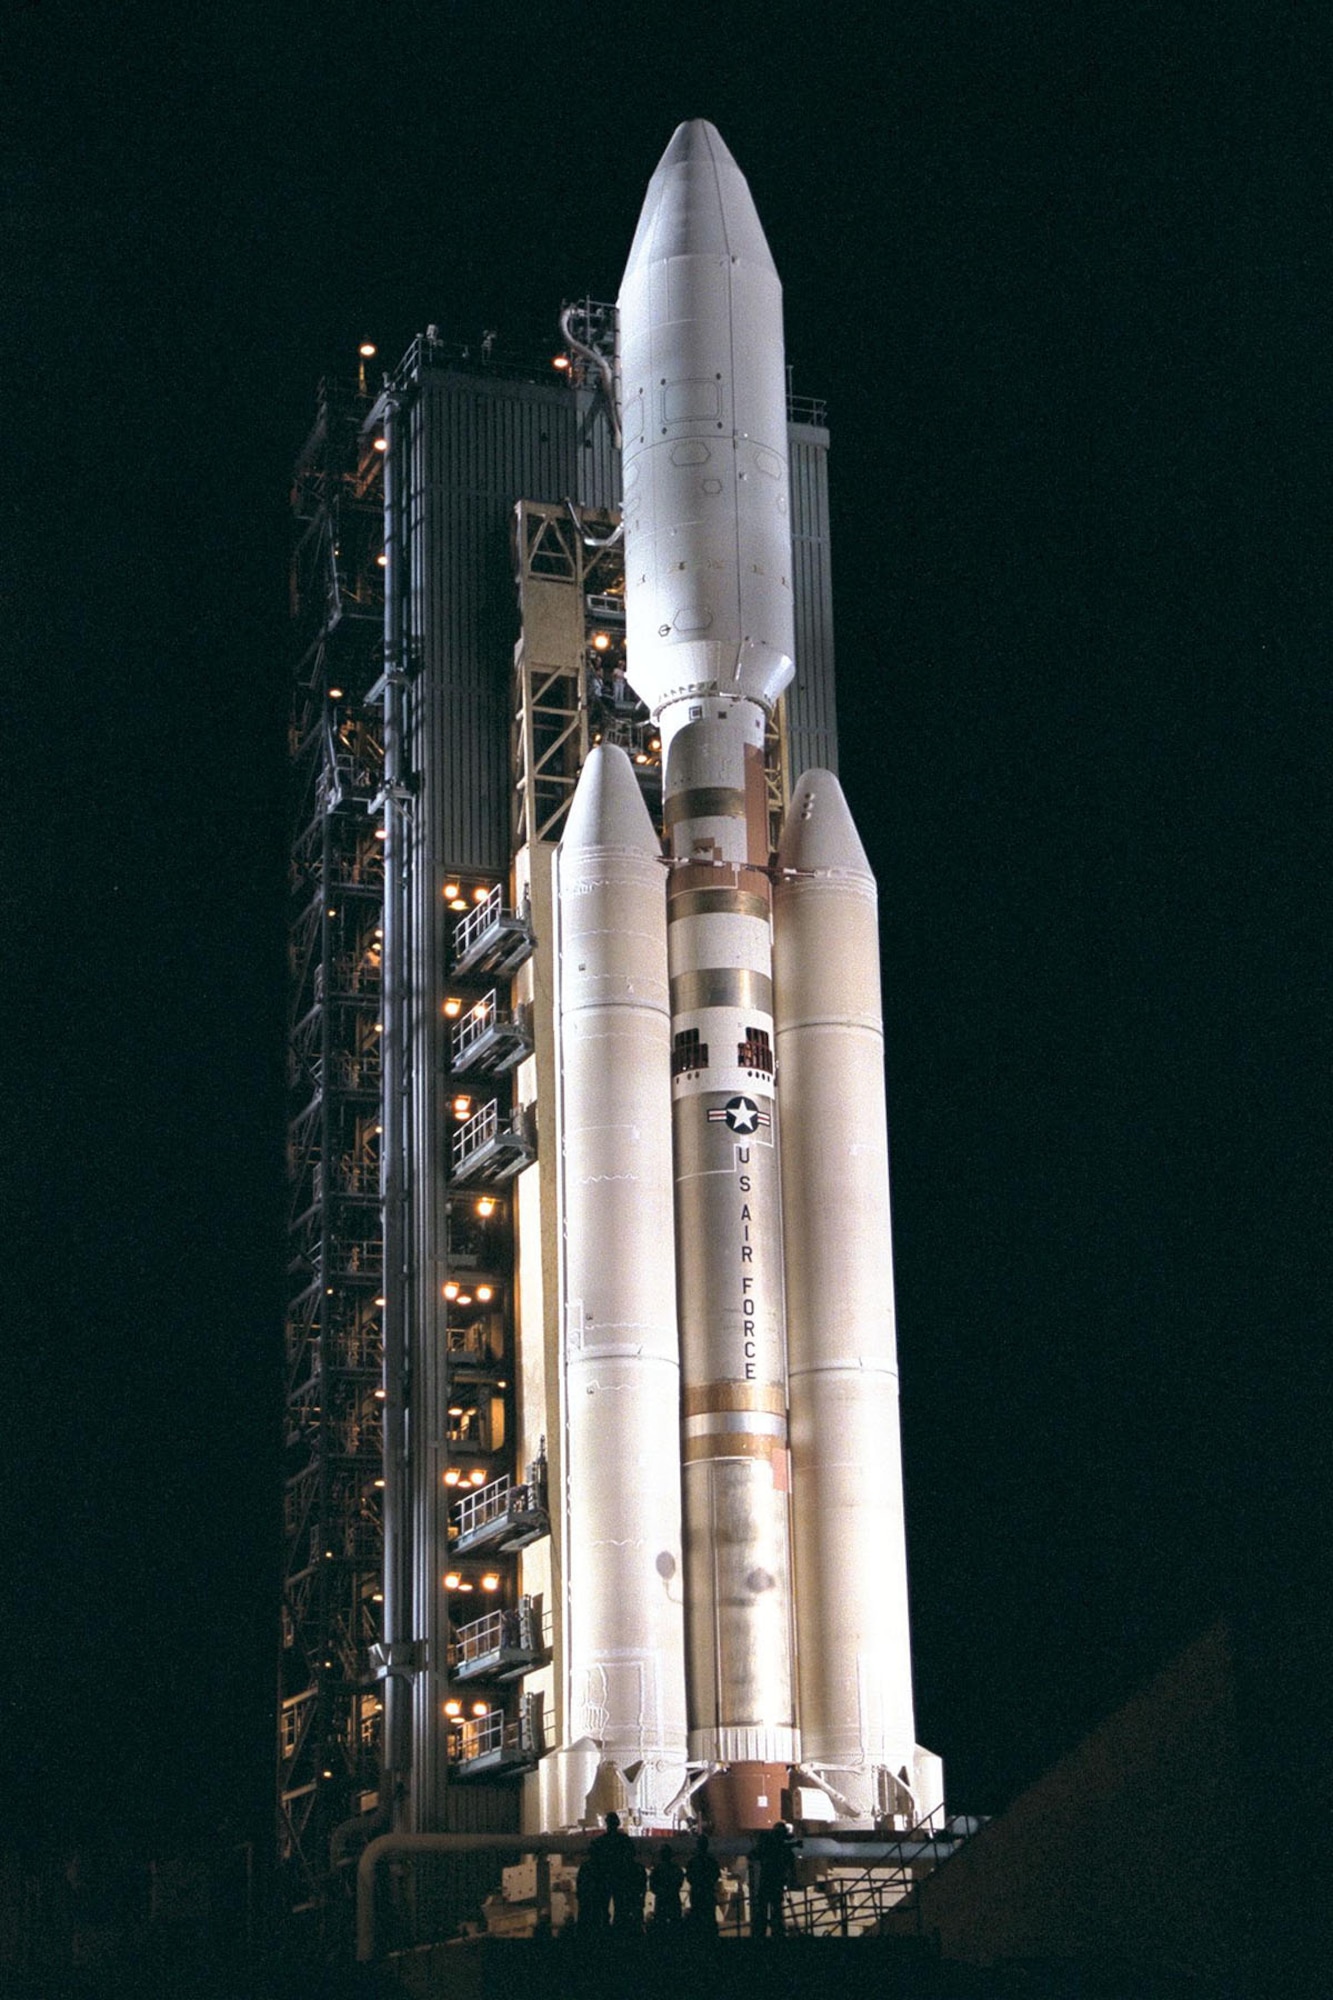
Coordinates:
column 1060, row 273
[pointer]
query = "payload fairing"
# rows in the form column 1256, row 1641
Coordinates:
column 736, row 1590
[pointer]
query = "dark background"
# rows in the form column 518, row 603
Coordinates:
column 1062, row 275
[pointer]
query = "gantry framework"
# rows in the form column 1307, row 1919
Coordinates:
column 570, row 686
column 329, row 1704
column 420, row 1590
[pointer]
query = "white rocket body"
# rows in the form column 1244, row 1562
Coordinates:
column 708, row 593
column 792, row 1655
column 625, row 1678
column 710, row 647
column 847, row 1498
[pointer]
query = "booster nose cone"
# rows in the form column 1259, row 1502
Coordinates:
column 698, row 204
column 608, row 808
column 818, row 834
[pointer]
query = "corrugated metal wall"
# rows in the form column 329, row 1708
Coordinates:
column 478, row 444
column 812, row 720
column 599, row 456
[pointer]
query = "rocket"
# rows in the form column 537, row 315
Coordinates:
column 764, row 1051
column 710, row 646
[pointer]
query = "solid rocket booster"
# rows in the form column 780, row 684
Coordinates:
column 855, row 1681
column 621, row 1373
column 710, row 649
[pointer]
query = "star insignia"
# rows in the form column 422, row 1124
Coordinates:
column 742, row 1114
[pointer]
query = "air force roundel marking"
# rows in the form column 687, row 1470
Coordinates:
column 742, row 1114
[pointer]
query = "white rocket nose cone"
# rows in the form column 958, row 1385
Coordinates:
column 693, row 139
column 698, row 204
column 608, row 809
column 818, row 834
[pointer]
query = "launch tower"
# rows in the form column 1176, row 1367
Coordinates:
column 507, row 1574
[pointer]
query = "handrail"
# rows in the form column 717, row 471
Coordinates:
column 513, row 1626
column 484, row 1505
column 481, row 1635
column 478, row 920
column 478, row 1020
column 387, row 1844
column 922, row 1832
column 481, row 1126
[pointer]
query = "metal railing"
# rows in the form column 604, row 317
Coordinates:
column 363, row 1542
column 353, row 973
column 473, row 1341
column 479, row 1736
column 479, row 1130
column 357, row 1259
column 515, row 1630
column 502, row 1498
column 481, row 1636
column 487, row 1504
column 355, row 1072
column 472, row 358
column 846, row 1909
column 856, row 1901
column 355, row 1350
column 358, row 1176
column 636, row 736
column 477, row 922
column 478, row 1020
column 493, row 1735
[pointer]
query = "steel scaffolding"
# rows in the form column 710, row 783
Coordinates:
column 328, row 1703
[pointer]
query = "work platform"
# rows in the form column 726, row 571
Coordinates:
column 501, row 1646
column 491, row 1148
column 495, row 1744
column 492, row 939
column 491, row 1039
column 507, row 1514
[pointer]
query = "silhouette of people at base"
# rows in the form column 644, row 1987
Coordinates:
column 703, row 1873
column 611, row 1879
column 666, row 1882
column 774, row 1866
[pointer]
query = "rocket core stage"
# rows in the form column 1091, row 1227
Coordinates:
column 710, row 647
column 762, row 1214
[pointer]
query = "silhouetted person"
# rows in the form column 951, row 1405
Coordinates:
column 666, row 1882
column 702, row 1873
column 611, row 1876
column 594, row 1894
column 630, row 1892
column 774, row 1865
